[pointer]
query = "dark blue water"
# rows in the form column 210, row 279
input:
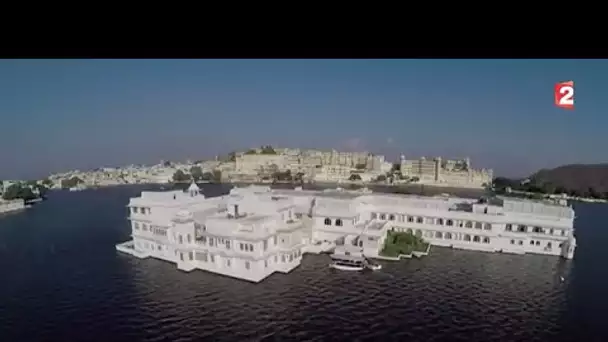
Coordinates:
column 62, row 280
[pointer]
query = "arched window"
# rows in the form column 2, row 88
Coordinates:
column 487, row 226
column 537, row 230
column 448, row 236
column 391, row 217
column 469, row 224
column 338, row 222
column 383, row 216
column 374, row 216
column 549, row 246
column 449, row 223
column 467, row 237
column 440, row 221
column 476, row 238
column 328, row 222
column 477, row 225
column 438, row 235
column 486, row 239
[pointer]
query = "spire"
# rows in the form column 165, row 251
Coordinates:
column 193, row 189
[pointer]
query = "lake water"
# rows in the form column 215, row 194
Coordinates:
column 62, row 280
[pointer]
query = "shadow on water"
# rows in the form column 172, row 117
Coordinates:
column 63, row 281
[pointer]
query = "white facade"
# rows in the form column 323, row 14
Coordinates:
column 7, row 206
column 255, row 231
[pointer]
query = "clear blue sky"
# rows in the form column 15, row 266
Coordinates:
column 63, row 114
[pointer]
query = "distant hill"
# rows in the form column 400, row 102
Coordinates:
column 579, row 178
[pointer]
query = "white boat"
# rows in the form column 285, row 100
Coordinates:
column 344, row 265
column 348, row 259
column 373, row 267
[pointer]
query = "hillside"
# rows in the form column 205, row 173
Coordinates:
column 576, row 177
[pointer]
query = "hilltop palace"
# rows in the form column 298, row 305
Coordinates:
column 255, row 231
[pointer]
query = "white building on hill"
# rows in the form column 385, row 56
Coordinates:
column 255, row 231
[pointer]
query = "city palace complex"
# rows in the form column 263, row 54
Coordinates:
column 258, row 165
column 255, row 231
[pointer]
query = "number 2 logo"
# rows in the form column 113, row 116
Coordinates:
column 564, row 94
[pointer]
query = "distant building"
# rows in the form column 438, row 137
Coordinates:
column 448, row 172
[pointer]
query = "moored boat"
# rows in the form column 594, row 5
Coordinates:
column 347, row 259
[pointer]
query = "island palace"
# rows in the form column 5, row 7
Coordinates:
column 256, row 231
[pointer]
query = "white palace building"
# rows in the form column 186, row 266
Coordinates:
column 254, row 232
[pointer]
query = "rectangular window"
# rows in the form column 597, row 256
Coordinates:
column 266, row 263
column 247, row 265
column 251, row 248
column 265, row 245
column 227, row 244
column 211, row 242
column 212, row 257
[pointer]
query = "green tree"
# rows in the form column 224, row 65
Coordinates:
column 360, row 166
column 196, row 172
column 180, row 176
column 396, row 167
column 268, row 150
column 299, row 177
column 47, row 182
column 282, row 176
column 503, row 182
column 71, row 182
column 207, row 176
column 15, row 191
column 217, row 176
column 381, row 178
column 354, row 177
column 252, row 151
column 591, row 192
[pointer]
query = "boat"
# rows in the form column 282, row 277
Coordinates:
column 347, row 265
column 371, row 265
column 346, row 258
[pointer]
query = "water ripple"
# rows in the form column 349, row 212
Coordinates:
column 63, row 281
